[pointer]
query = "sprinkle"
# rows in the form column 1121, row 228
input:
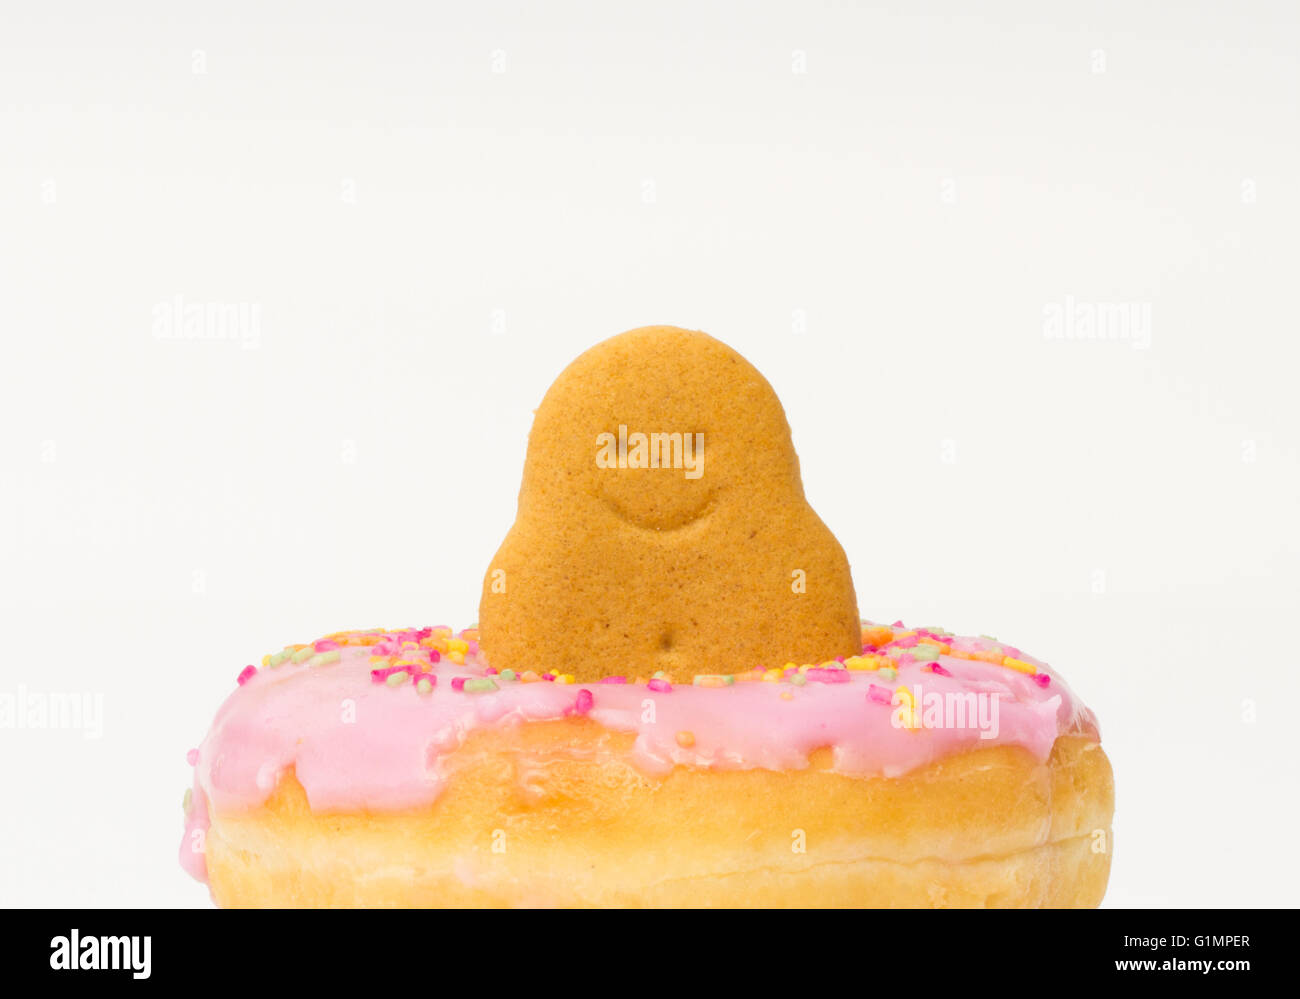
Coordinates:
column 1019, row 665
column 614, row 679
column 565, row 678
column 880, row 695
column 397, row 678
column 457, row 645
column 529, row 676
column 861, row 662
column 458, row 682
column 663, row 686
column 713, row 680
column 772, row 676
column 457, row 657
column 303, row 654
column 926, row 653
column 582, row 705
column 278, row 659
column 266, row 661
column 686, row 739
column 326, row 645
column 480, row 685
column 425, row 684
column 187, row 800
column 508, row 674
column 799, row 679
column 1042, row 679
column 245, row 674
column 938, row 670
column 324, row 658
column 889, row 672
column 877, row 634
column 828, row 675
column 192, row 757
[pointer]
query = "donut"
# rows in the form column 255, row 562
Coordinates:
column 395, row 768
column 669, row 700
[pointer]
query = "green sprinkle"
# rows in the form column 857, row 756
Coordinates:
column 324, row 658
column 423, row 685
column 278, row 659
column 799, row 679
column 508, row 674
column 303, row 654
column 480, row 684
column 925, row 653
column 189, row 800
column 398, row 678
column 988, row 638
column 888, row 672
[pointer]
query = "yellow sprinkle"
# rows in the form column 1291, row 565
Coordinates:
column 686, row 739
column 772, row 676
column 457, row 645
column 266, row 660
column 832, row 664
column 568, row 678
column 910, row 716
column 368, row 640
column 862, row 662
column 1020, row 665
column 457, row 657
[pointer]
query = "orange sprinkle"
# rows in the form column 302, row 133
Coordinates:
column 686, row 739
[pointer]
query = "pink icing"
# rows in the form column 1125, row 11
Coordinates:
column 359, row 744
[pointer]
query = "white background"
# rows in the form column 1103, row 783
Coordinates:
column 435, row 209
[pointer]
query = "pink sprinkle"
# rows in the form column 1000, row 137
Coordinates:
column 614, row 679
column 245, row 674
column 660, row 685
column 910, row 642
column 584, row 702
column 326, row 645
column 828, row 675
column 192, row 757
column 458, row 682
column 491, row 671
column 1042, row 679
column 898, row 624
column 938, row 670
column 435, row 656
column 473, row 647
column 549, row 677
column 880, row 695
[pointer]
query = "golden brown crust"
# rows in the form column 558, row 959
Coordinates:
column 551, row 814
column 636, row 570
